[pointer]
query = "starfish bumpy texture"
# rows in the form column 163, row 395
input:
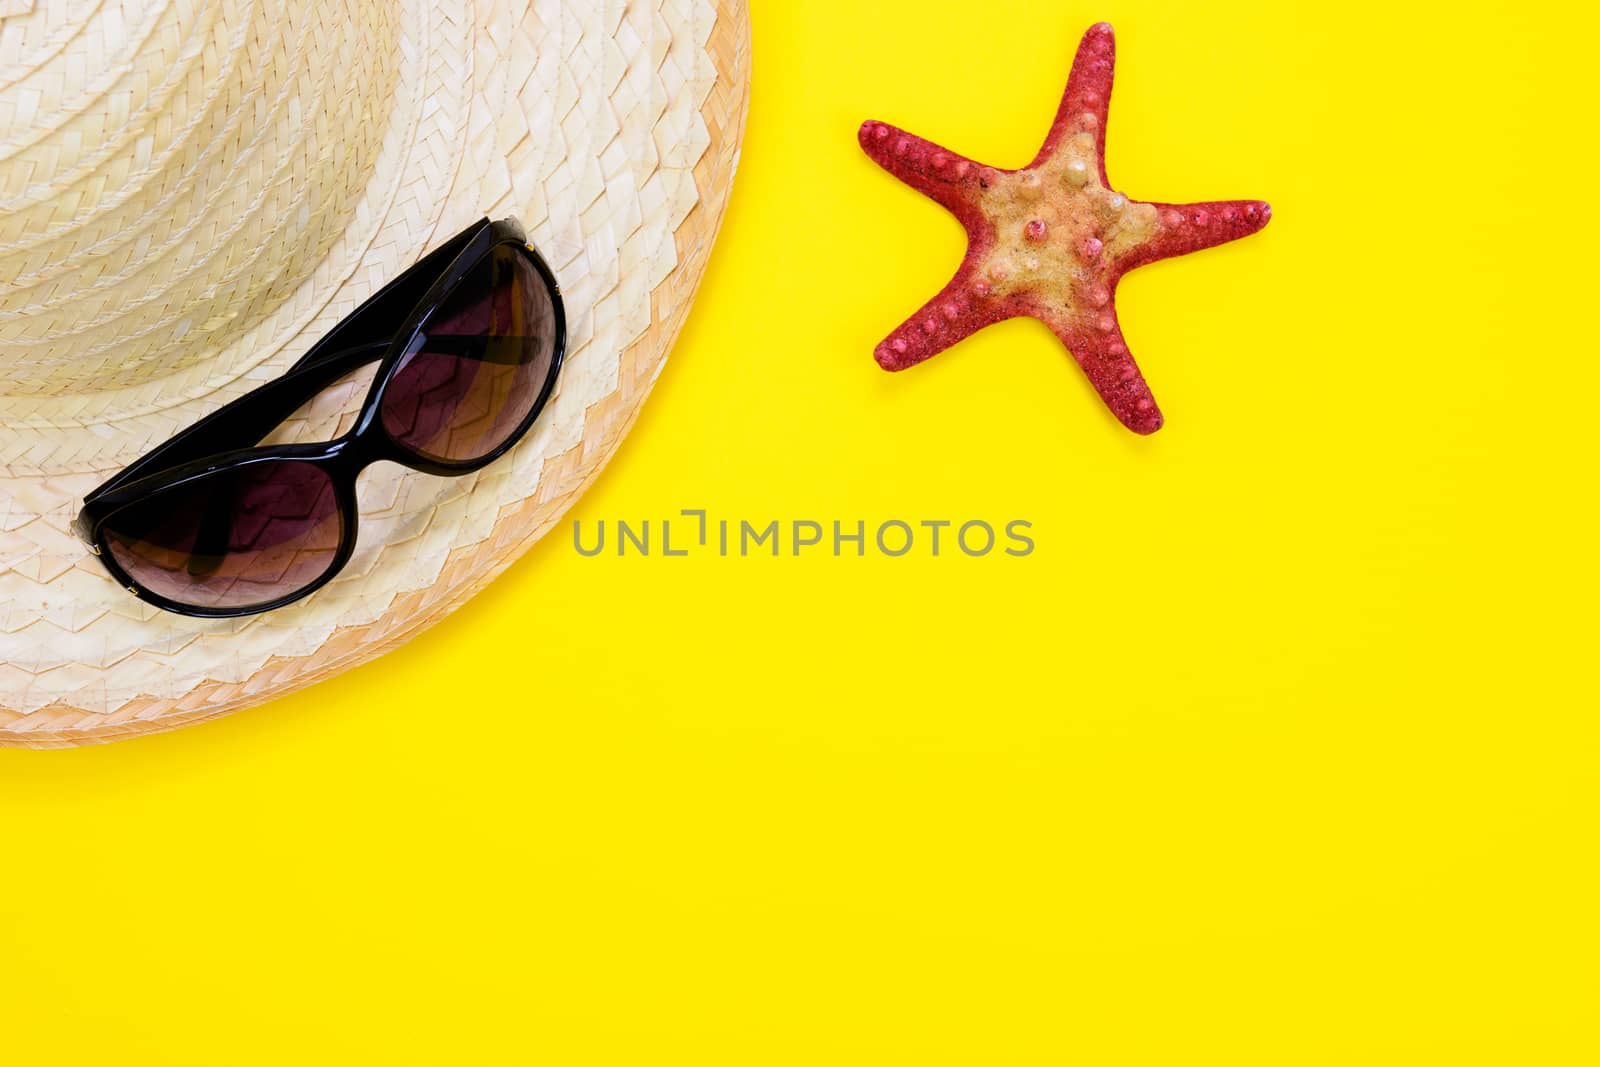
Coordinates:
column 1052, row 240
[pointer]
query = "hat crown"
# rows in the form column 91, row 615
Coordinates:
column 172, row 171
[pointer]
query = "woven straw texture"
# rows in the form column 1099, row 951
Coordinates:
column 193, row 191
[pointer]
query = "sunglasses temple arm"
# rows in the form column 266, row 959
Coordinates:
column 374, row 321
column 247, row 420
column 212, row 536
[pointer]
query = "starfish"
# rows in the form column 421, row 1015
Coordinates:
column 1052, row 240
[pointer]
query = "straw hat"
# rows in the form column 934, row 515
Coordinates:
column 193, row 191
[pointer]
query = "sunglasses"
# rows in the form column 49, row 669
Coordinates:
column 468, row 344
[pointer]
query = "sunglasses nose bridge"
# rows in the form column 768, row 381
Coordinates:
column 349, row 456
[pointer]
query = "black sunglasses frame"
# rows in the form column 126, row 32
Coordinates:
column 380, row 330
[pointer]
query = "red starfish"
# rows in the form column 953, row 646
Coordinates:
column 1051, row 241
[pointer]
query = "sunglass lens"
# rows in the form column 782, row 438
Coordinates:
column 235, row 540
column 472, row 375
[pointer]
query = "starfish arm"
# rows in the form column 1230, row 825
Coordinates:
column 1087, row 101
column 943, row 176
column 1185, row 228
column 1098, row 346
column 955, row 314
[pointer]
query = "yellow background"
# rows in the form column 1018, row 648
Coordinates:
column 1276, row 752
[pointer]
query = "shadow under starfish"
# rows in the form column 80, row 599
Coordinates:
column 1052, row 240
